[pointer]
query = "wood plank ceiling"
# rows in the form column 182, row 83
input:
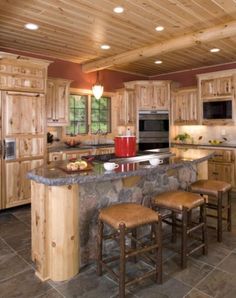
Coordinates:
column 74, row 30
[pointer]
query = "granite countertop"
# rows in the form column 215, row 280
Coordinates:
column 52, row 174
column 63, row 147
column 202, row 146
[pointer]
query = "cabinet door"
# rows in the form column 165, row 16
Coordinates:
column 17, row 187
column 75, row 154
column 61, row 103
column 160, row 97
column 51, row 90
column 221, row 171
column 120, row 108
column 24, row 113
column 144, row 97
column 185, row 107
column 108, row 150
column 225, row 86
column 131, row 108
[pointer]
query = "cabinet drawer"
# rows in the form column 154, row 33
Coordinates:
column 221, row 171
column 223, row 156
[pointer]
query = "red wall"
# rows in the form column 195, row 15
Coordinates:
column 110, row 79
column 188, row 77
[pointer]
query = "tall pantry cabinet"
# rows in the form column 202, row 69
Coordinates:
column 22, row 125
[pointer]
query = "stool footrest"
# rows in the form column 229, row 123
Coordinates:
column 195, row 249
column 200, row 225
column 145, row 275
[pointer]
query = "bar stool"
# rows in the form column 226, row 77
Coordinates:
column 124, row 219
column 181, row 202
column 216, row 189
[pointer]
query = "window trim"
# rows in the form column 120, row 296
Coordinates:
column 78, row 91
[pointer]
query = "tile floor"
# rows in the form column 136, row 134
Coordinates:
column 211, row 276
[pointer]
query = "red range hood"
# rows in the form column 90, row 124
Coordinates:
column 125, row 146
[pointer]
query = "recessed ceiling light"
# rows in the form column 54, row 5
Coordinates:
column 158, row 62
column 159, row 28
column 31, row 26
column 214, row 50
column 105, row 47
column 118, row 9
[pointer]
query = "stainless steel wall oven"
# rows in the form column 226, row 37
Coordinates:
column 154, row 130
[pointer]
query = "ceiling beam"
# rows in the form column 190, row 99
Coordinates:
column 207, row 35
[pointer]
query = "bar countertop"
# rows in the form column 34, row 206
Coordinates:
column 52, row 174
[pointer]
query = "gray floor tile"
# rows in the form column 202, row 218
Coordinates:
column 26, row 255
column 194, row 272
column 171, row 288
column 219, row 284
column 4, row 248
column 194, row 293
column 19, row 241
column 52, row 293
column 10, row 225
column 229, row 264
column 23, row 285
column 11, row 264
column 88, row 285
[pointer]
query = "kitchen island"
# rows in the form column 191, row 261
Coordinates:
column 65, row 206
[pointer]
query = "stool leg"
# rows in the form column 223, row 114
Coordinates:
column 134, row 243
column 204, row 228
column 219, row 217
column 122, row 262
column 174, row 228
column 229, row 212
column 184, row 238
column 99, row 247
column 158, row 240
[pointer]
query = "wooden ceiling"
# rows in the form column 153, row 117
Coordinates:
column 74, row 30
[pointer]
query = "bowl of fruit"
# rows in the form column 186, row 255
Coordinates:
column 215, row 142
column 72, row 143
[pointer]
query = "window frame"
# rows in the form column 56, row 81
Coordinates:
column 75, row 91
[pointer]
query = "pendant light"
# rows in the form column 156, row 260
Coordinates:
column 97, row 88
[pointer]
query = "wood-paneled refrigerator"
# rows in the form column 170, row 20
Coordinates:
column 22, row 126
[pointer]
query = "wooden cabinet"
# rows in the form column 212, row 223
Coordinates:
column 23, row 73
column 153, row 95
column 221, row 166
column 57, row 102
column 184, row 109
column 17, row 189
column 217, row 87
column 105, row 150
column 126, row 110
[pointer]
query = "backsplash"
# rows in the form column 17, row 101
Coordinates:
column 206, row 132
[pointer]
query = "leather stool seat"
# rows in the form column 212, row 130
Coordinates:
column 182, row 202
column 178, row 200
column 124, row 221
column 131, row 215
column 210, row 187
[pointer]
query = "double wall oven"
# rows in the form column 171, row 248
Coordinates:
column 153, row 130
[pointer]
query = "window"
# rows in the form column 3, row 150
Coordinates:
column 78, row 115
column 99, row 116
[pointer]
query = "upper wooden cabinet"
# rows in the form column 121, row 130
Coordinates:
column 216, row 89
column 126, row 110
column 57, row 101
column 185, row 106
column 19, row 73
column 152, row 95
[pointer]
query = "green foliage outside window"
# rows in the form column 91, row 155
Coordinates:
column 100, row 115
column 78, row 115
column 78, row 111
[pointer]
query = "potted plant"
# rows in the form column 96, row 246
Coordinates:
column 183, row 137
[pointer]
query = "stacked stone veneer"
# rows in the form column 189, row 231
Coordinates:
column 94, row 196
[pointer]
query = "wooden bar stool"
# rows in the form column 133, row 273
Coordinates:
column 124, row 219
column 181, row 202
column 216, row 189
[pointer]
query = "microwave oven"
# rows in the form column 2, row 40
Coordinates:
column 217, row 110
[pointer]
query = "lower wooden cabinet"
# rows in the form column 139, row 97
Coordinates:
column 16, row 188
column 221, row 171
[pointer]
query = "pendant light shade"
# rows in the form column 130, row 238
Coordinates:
column 97, row 88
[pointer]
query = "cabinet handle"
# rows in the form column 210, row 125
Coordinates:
column 215, row 173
